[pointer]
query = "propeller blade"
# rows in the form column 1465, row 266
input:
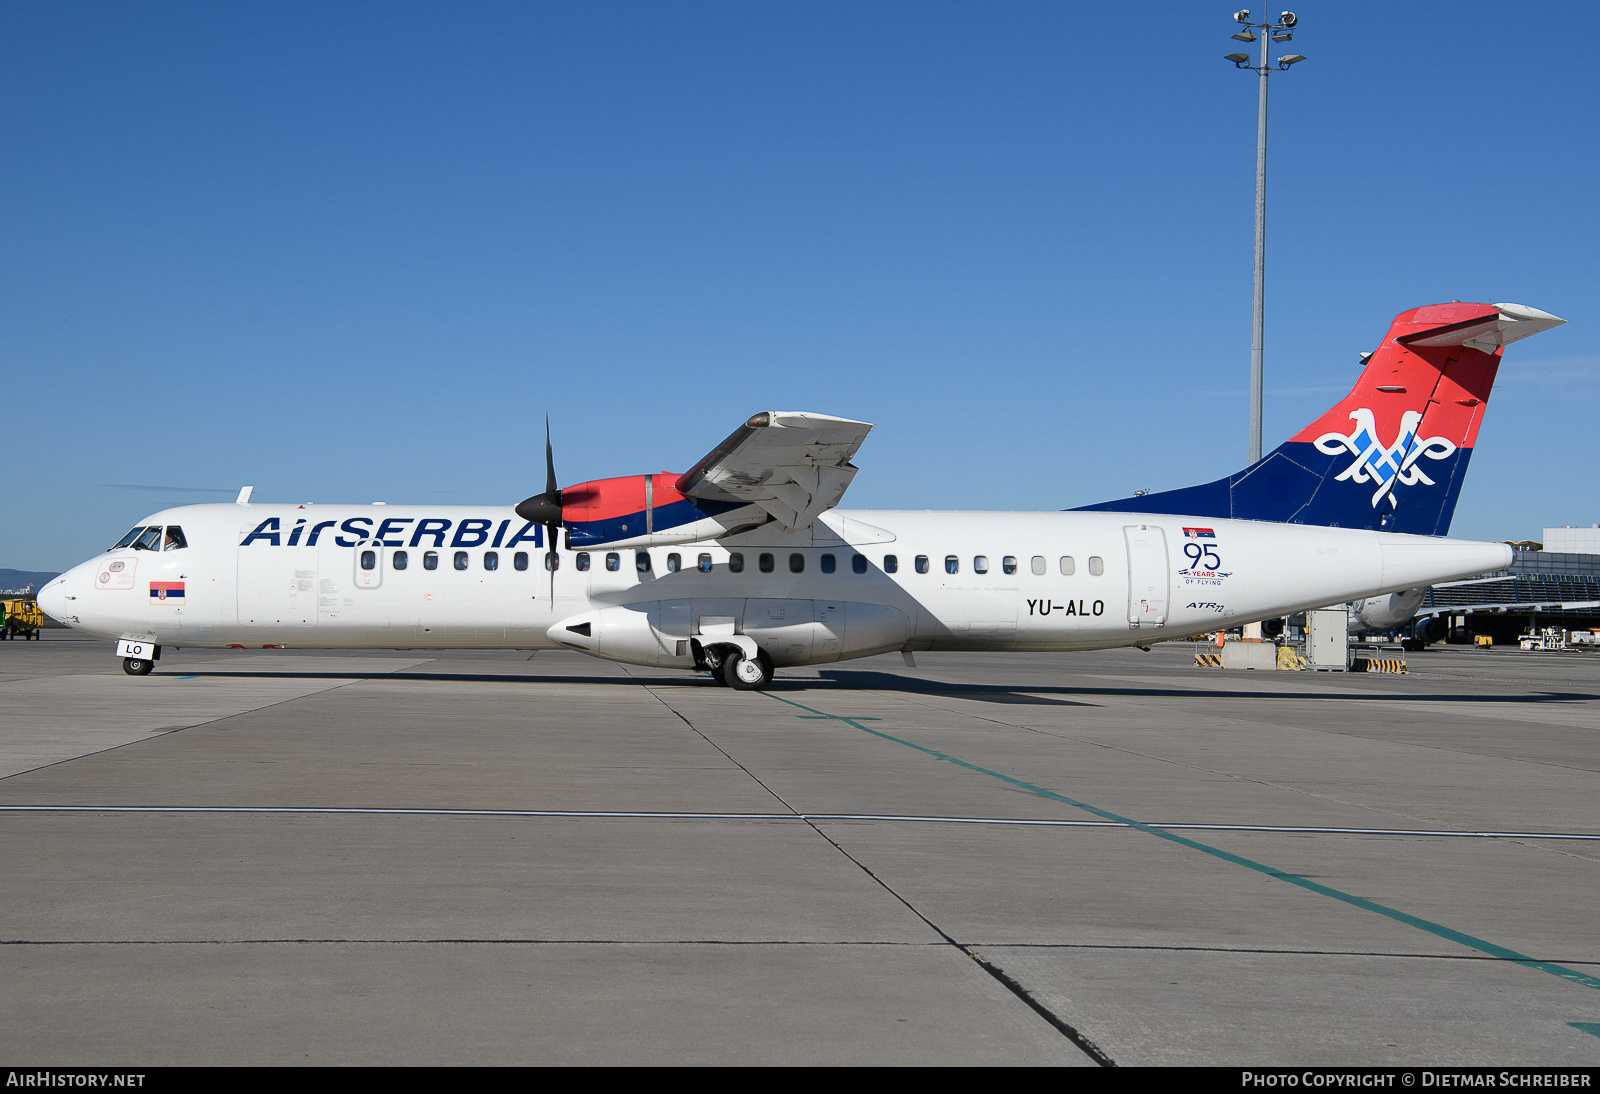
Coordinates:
column 544, row 508
column 552, row 491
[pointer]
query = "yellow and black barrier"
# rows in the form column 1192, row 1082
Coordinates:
column 1378, row 664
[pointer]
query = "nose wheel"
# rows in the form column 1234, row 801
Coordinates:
column 137, row 666
column 747, row 673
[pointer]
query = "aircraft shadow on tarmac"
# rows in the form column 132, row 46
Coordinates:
column 842, row 681
column 866, row 680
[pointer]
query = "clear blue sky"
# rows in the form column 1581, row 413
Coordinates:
column 357, row 251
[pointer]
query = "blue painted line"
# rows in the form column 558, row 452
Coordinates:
column 1437, row 929
column 1592, row 1028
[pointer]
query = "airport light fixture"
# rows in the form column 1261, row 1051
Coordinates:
column 1280, row 31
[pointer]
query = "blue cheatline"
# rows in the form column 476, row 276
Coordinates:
column 1437, row 929
column 1298, row 484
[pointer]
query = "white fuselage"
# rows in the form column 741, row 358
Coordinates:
column 992, row 581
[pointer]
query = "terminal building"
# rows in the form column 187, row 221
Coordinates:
column 1556, row 586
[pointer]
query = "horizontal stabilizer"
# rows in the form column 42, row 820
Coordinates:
column 1510, row 323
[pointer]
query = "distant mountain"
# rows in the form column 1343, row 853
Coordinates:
column 17, row 580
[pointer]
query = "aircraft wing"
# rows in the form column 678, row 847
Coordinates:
column 794, row 465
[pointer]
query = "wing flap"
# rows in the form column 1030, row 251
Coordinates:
column 794, row 465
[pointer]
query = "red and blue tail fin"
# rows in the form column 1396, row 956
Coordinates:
column 1393, row 454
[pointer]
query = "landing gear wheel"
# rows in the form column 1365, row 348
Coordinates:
column 137, row 666
column 746, row 674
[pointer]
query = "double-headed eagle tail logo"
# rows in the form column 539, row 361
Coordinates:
column 1385, row 465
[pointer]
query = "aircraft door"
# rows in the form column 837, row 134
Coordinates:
column 1147, row 574
column 277, row 586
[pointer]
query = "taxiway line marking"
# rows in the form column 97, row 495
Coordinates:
column 1437, row 929
column 602, row 814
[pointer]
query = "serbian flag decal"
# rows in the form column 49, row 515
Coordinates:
column 1192, row 533
column 166, row 592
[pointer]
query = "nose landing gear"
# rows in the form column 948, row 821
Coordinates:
column 137, row 666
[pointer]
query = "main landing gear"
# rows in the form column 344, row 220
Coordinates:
column 747, row 673
column 137, row 666
column 729, row 666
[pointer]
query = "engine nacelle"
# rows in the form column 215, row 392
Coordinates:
column 647, row 511
column 792, row 632
column 1384, row 614
column 1433, row 629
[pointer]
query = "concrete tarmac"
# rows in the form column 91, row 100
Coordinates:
column 431, row 857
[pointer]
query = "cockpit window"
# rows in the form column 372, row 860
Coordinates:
column 174, row 540
column 133, row 534
column 149, row 539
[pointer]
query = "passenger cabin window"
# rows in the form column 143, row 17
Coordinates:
column 891, row 564
column 703, row 563
column 765, row 563
column 922, row 564
column 1038, row 565
column 980, row 564
column 430, row 560
column 174, row 540
column 858, row 564
column 520, row 560
column 552, row 561
column 797, row 563
column 829, row 564
column 736, row 563
column 491, row 560
column 1097, row 565
column 461, row 560
column 369, row 560
column 1068, row 567
column 674, row 563
column 400, row 560
column 952, row 564
column 583, row 560
column 641, row 561
column 1009, row 564
column 613, row 561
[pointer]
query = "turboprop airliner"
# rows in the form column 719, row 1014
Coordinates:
column 744, row 563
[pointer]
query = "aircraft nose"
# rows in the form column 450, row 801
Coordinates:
column 53, row 600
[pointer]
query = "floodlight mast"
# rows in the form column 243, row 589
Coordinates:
column 1271, row 32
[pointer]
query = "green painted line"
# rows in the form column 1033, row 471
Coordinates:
column 1592, row 1028
column 1437, row 929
